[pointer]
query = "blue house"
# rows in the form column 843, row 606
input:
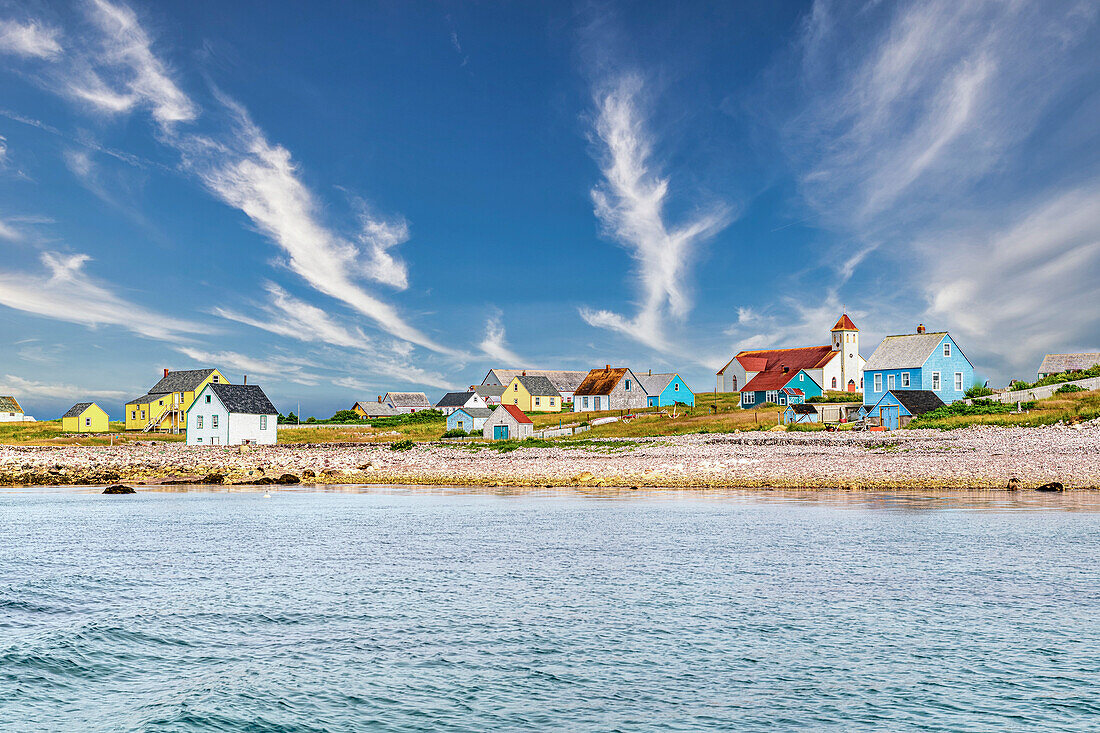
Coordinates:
column 780, row 388
column 896, row 408
column 920, row 361
column 468, row 418
column 666, row 389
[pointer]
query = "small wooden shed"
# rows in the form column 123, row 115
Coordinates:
column 508, row 422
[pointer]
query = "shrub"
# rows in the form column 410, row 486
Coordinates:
column 835, row 397
column 1058, row 378
column 456, row 433
column 412, row 418
column 405, row 444
column 311, row 419
column 345, row 416
column 978, row 390
column 956, row 409
column 1067, row 388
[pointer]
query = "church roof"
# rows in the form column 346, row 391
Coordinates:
column 845, row 324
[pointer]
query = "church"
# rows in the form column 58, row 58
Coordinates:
column 835, row 366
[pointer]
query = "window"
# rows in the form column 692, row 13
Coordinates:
column 143, row 414
column 771, row 396
column 515, row 401
column 628, row 385
column 878, row 382
column 750, row 398
column 538, row 401
column 198, row 440
column 676, row 387
column 889, row 381
column 734, row 385
column 515, row 387
column 214, row 421
column 133, row 414
column 782, row 400
column 263, row 422
column 947, row 348
column 801, row 377
column 861, row 382
column 834, row 382
column 198, row 421
column 958, row 381
column 586, row 402
column 935, row 381
column 160, row 403
column 551, row 401
column 87, row 422
column 208, row 399
column 214, row 379
column 905, row 379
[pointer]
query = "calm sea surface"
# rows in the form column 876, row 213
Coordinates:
column 413, row 610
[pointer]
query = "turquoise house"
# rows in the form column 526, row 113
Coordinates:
column 664, row 390
column 780, row 388
column 895, row 409
column 468, row 418
column 931, row 362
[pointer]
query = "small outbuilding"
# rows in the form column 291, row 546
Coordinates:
column 896, row 409
column 1058, row 363
column 508, row 422
column 232, row 414
column 468, row 418
column 85, row 417
column 11, row 411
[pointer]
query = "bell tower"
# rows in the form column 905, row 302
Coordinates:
column 846, row 341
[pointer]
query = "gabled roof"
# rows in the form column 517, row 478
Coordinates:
column 601, row 381
column 9, row 404
column 454, row 399
column 517, row 413
column 475, row 411
column 184, row 380
column 806, row 357
column 540, row 386
column 247, row 399
column 917, row 401
column 564, row 380
column 407, row 399
column 1052, row 363
column 372, row 408
column 803, row 408
column 752, row 363
column 489, row 390
column 654, row 384
column 78, row 409
column 773, row 380
column 147, row 398
column 845, row 324
column 794, row 391
column 907, row 351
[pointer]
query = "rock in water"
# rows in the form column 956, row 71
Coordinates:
column 1013, row 484
column 1052, row 486
column 214, row 478
column 287, row 479
column 119, row 489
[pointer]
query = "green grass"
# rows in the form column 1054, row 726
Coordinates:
column 49, row 432
column 1073, row 407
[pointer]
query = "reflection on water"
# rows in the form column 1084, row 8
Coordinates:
column 445, row 608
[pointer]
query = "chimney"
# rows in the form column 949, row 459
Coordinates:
column 786, row 369
column 524, row 373
column 246, row 379
column 920, row 328
column 166, row 371
column 650, row 373
column 380, row 399
column 607, row 368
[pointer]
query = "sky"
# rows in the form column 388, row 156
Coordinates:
column 339, row 199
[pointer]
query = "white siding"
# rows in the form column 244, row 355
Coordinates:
column 233, row 428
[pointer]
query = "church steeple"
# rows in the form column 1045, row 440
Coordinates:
column 846, row 340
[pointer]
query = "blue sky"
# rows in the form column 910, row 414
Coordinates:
column 354, row 197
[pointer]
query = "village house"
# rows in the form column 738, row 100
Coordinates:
column 836, row 366
column 780, row 387
column 897, row 407
column 491, row 393
column 407, row 402
column 663, row 390
column 85, row 417
column 918, row 361
column 164, row 407
column 468, row 418
column 610, row 389
column 564, row 381
column 532, row 394
column 1058, row 363
column 373, row 408
column 11, row 411
column 232, row 414
column 455, row 400
column 507, row 423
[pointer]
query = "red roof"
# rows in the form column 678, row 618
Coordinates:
column 753, row 363
column 794, row 391
column 767, row 381
column 517, row 413
column 808, row 357
column 845, row 324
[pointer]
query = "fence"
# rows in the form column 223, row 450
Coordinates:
column 1037, row 393
column 555, row 432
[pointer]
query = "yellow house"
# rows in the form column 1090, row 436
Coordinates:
column 164, row 408
column 532, row 394
column 84, row 417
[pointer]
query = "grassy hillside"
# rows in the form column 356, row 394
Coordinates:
column 48, row 432
column 1072, row 407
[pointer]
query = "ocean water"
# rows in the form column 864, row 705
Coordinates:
column 416, row 610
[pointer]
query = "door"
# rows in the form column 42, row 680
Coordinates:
column 851, row 385
column 500, row 432
column 890, row 417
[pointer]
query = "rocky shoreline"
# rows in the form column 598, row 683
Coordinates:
column 976, row 457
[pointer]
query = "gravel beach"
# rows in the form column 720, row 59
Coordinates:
column 976, row 457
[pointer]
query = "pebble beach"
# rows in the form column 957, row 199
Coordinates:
column 975, row 457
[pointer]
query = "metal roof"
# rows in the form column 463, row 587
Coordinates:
column 909, row 350
column 845, row 324
column 516, row 413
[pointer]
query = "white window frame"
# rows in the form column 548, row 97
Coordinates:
column 214, row 379
column 551, row 401
column 87, row 422
column 936, row 384
column 905, row 379
column 801, row 377
column 947, row 349
column 133, row 414
column 958, row 381
column 878, row 381
column 782, row 401
column 198, row 440
column 198, row 422
column 771, row 396
column 890, row 381
column 538, row 402
column 263, row 422
column 213, row 422
column 675, row 386
column 750, row 398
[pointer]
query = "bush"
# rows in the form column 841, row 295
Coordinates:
column 956, row 409
column 412, row 418
column 405, row 444
column 1067, row 388
column 310, row 420
column 1058, row 378
column 843, row 397
column 978, row 390
column 345, row 416
column 456, row 433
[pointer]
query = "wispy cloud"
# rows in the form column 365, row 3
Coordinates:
column 31, row 39
column 630, row 204
column 65, row 292
column 294, row 318
column 282, row 368
column 8, row 232
column 12, row 384
column 493, row 345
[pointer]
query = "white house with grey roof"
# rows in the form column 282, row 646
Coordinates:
column 12, row 411
column 456, row 400
column 231, row 414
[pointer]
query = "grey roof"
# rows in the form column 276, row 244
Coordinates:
column 407, row 399
column 538, row 385
column 1055, row 363
column 802, row 408
column 489, row 390
column 9, row 404
column 476, row 411
column 375, row 409
column 147, row 398
column 77, row 409
column 244, row 398
column 917, row 401
column 454, row 399
column 564, row 380
column 184, row 380
column 654, row 384
column 906, row 351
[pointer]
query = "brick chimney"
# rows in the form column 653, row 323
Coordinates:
column 921, row 328
column 166, row 371
column 607, row 367
column 245, row 379
column 524, row 374
column 380, row 399
column 786, row 369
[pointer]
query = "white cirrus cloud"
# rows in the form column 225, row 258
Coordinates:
column 13, row 384
column 494, row 346
column 281, row 368
column 294, row 318
column 630, row 204
column 65, row 292
column 31, row 39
